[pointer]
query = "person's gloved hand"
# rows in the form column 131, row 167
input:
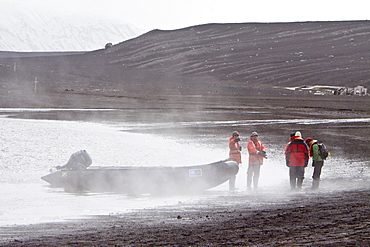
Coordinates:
column 262, row 153
column 240, row 148
column 237, row 140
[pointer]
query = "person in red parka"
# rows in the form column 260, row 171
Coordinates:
column 297, row 155
column 234, row 154
column 256, row 152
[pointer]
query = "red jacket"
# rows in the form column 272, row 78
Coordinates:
column 234, row 152
column 253, row 149
column 297, row 153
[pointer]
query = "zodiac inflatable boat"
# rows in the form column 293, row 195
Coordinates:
column 78, row 175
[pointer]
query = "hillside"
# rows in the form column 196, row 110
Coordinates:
column 208, row 59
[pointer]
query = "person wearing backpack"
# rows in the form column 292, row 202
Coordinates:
column 296, row 155
column 317, row 161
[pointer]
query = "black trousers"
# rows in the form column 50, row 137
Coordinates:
column 316, row 173
column 296, row 175
column 317, row 169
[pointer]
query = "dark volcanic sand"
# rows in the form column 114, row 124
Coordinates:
column 340, row 219
column 308, row 218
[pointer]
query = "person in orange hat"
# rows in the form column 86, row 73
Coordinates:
column 234, row 154
column 297, row 155
column 235, row 148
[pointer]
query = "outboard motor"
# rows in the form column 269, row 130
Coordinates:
column 79, row 160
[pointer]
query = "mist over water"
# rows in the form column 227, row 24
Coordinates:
column 30, row 148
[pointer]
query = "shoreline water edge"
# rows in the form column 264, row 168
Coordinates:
column 337, row 214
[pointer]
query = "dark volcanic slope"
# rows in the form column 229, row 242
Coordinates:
column 213, row 58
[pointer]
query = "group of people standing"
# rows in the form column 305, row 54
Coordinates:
column 257, row 152
column 297, row 153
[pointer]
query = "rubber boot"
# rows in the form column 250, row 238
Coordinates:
column 315, row 184
column 232, row 183
column 299, row 183
column 249, row 181
column 255, row 182
column 292, row 183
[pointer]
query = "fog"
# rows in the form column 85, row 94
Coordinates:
column 30, row 148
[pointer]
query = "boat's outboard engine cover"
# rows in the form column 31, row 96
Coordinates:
column 79, row 160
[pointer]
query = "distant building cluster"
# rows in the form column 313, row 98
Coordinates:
column 332, row 90
column 359, row 90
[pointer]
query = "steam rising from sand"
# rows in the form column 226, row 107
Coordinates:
column 31, row 147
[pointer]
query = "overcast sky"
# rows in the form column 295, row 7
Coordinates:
column 174, row 14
